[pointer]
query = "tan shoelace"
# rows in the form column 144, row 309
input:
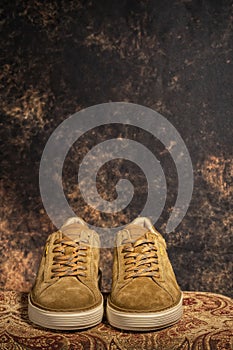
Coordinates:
column 71, row 264
column 143, row 263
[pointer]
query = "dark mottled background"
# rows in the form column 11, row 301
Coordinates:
column 58, row 57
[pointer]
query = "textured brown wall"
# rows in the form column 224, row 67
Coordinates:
column 172, row 56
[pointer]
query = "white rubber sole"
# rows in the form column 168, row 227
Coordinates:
column 65, row 320
column 134, row 321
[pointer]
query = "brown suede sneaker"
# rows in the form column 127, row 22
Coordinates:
column 66, row 293
column 145, row 294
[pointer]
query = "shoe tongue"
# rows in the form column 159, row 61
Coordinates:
column 136, row 231
column 74, row 232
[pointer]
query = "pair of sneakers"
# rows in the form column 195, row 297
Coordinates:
column 66, row 293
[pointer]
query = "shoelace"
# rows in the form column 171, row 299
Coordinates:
column 141, row 264
column 69, row 264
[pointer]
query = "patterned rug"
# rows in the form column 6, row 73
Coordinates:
column 207, row 323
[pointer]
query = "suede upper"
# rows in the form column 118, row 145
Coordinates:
column 55, row 288
column 155, row 289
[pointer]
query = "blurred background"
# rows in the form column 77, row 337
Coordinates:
column 58, row 57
